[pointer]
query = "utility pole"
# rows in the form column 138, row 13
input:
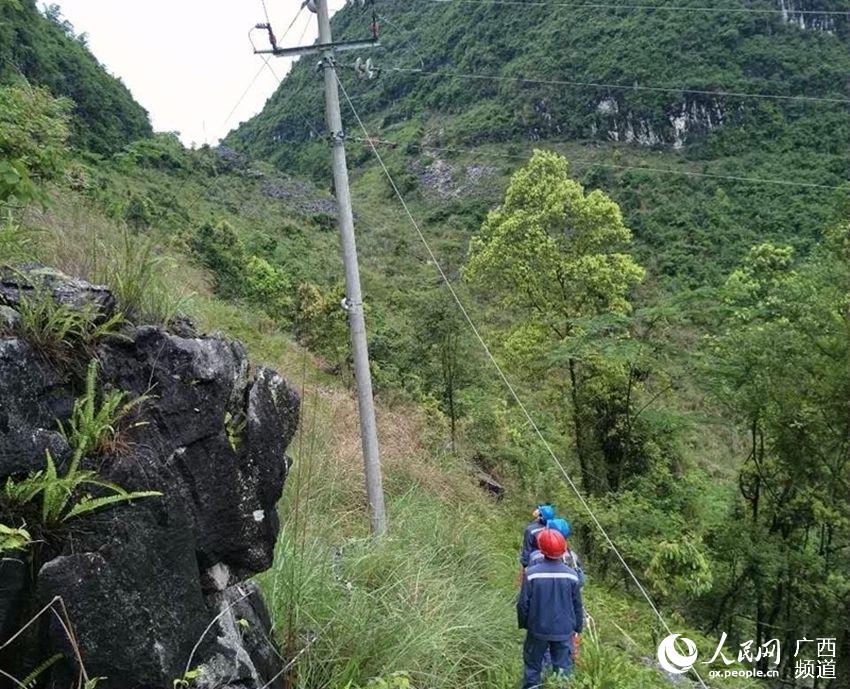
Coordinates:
column 354, row 301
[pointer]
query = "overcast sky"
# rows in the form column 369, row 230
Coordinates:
column 189, row 61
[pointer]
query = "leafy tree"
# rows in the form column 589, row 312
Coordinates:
column 552, row 254
column 441, row 347
column 780, row 364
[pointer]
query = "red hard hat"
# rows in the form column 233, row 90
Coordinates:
column 552, row 543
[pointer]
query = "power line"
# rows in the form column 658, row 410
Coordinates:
column 266, row 12
column 590, row 163
column 624, row 87
column 304, row 30
column 663, row 8
column 242, row 97
column 500, row 371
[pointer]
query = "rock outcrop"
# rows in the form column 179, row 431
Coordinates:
column 162, row 582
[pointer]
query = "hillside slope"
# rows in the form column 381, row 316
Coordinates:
column 678, row 401
column 710, row 51
column 450, row 83
column 45, row 50
column 434, row 602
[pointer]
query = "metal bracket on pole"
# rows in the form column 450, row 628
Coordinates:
column 348, row 305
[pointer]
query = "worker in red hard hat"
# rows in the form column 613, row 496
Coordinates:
column 550, row 610
column 570, row 558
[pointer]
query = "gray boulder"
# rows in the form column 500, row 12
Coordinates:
column 148, row 582
column 31, row 281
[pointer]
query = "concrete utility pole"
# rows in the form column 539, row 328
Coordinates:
column 354, row 301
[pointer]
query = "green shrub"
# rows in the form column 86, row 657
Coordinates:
column 137, row 213
column 221, row 251
column 268, row 287
column 33, row 130
column 320, row 324
column 163, row 151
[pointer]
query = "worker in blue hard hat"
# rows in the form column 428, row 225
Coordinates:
column 542, row 514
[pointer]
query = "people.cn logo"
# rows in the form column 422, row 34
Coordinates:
column 671, row 659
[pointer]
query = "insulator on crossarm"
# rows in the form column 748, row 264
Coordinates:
column 372, row 72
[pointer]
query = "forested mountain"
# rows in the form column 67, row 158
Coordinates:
column 659, row 87
column 43, row 49
column 665, row 286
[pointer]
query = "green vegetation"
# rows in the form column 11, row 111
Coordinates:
column 13, row 539
column 29, row 682
column 57, row 503
column 680, row 341
column 689, row 230
column 33, row 130
column 556, row 254
column 92, row 430
column 94, row 425
column 43, row 50
column 61, row 333
column 779, row 364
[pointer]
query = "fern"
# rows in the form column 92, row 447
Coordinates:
column 57, row 492
column 89, row 504
column 188, row 678
column 92, row 427
column 235, row 425
column 29, row 681
column 13, row 539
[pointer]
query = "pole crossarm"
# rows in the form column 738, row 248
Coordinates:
column 321, row 47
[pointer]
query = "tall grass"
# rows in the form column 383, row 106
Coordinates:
column 17, row 243
column 421, row 600
column 151, row 281
column 140, row 276
column 434, row 599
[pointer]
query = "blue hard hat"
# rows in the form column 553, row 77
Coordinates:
column 547, row 512
column 561, row 525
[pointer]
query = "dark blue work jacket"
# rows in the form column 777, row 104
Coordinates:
column 529, row 541
column 570, row 559
column 549, row 604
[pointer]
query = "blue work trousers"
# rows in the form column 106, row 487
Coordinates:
column 533, row 652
